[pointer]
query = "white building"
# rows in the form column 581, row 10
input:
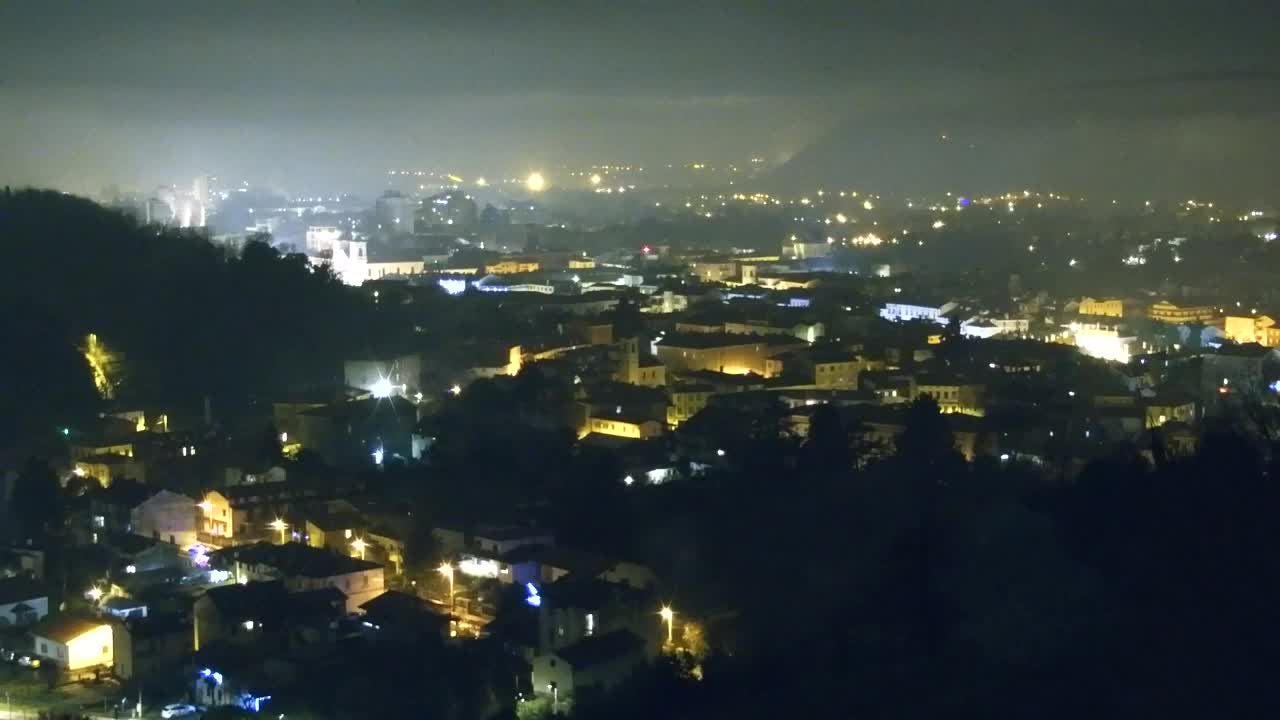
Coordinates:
column 76, row 643
column 901, row 312
column 321, row 238
column 168, row 517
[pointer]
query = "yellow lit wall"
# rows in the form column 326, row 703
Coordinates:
column 685, row 405
column 1244, row 329
column 733, row 359
column 582, row 264
column 1105, row 308
column 622, row 428
column 215, row 515
column 508, row 267
column 94, row 647
column 408, row 267
column 1166, row 311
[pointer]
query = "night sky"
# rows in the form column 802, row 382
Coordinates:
column 1161, row 97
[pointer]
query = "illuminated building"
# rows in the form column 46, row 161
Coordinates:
column 1166, row 312
column 1114, row 308
column 75, row 643
column 722, row 352
column 216, row 523
column 901, row 312
column 953, row 395
column 687, row 401
column 167, row 516
column 715, row 270
column 1103, row 342
column 1259, row 329
column 617, row 425
column 215, row 688
column 593, row 664
column 106, row 467
column 512, row 266
column 1162, row 410
column 301, row 568
column 320, row 238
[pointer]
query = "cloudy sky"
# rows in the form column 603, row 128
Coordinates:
column 327, row 95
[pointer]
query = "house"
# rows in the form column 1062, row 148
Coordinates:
column 545, row 564
column 396, row 617
column 624, row 426
column 334, row 530
column 593, row 664
column 23, row 601
column 302, row 567
column 168, row 517
column 491, row 539
column 83, row 645
column 106, row 467
column 217, row 525
column 266, row 614
column 160, row 643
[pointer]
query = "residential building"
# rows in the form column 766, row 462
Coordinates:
column 216, row 520
column 624, row 426
column 23, row 601
column 82, row 645
column 267, row 613
column 592, row 665
column 953, row 394
column 320, row 238
column 1166, row 312
column 168, row 517
column 687, row 400
column 1260, row 329
column 302, row 567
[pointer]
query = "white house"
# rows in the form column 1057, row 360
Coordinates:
column 167, row 516
column 22, row 602
column 75, row 643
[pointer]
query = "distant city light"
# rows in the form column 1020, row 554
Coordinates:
column 596, row 179
column 535, row 182
column 481, row 182
column 938, row 224
column 866, row 205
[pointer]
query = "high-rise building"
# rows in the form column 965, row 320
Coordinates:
column 395, row 212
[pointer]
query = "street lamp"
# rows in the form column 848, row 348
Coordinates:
column 447, row 570
column 280, row 526
column 94, row 593
column 668, row 616
column 359, row 545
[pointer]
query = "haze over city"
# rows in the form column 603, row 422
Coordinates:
column 314, row 97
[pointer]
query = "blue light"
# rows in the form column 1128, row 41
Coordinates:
column 964, row 202
column 534, row 599
column 1275, row 386
column 207, row 673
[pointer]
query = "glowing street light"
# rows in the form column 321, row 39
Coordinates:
column 94, row 593
column 596, row 179
column 669, row 617
column 481, row 182
column 535, row 182
column 382, row 388
column 455, row 390
column 447, row 570
column 279, row 526
column 359, row 545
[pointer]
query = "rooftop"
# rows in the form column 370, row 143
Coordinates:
column 297, row 560
column 18, row 589
column 66, row 627
column 702, row 341
column 598, row 649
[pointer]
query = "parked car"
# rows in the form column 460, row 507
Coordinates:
column 177, row 710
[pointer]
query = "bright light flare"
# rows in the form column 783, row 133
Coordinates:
column 535, row 182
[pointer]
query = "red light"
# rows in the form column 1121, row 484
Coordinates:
column 645, row 250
